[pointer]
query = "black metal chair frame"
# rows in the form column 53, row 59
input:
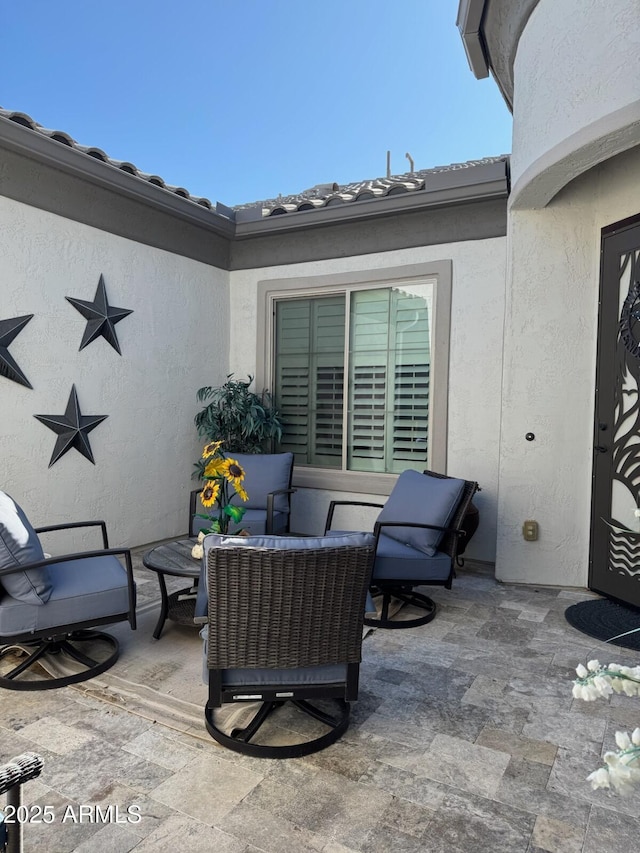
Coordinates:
column 280, row 609
column 404, row 589
column 13, row 775
column 67, row 639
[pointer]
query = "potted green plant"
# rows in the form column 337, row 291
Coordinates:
column 246, row 422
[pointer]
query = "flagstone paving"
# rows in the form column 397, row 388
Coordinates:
column 465, row 738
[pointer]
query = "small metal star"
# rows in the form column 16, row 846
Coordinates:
column 71, row 428
column 102, row 317
column 9, row 329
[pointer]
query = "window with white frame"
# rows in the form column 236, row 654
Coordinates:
column 351, row 374
column 359, row 364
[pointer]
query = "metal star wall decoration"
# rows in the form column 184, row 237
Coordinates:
column 9, row 329
column 71, row 429
column 101, row 317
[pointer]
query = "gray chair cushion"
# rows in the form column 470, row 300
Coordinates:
column 355, row 540
column 82, row 590
column 255, row 521
column 259, row 677
column 397, row 561
column 294, row 677
column 19, row 545
column 422, row 499
column 265, row 473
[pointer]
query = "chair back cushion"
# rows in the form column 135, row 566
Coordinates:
column 19, row 546
column 265, row 473
column 421, row 499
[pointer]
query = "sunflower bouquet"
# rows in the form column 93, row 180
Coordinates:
column 223, row 482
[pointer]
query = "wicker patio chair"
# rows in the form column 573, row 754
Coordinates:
column 12, row 776
column 285, row 625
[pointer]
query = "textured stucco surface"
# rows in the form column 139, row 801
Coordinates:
column 175, row 341
column 549, row 374
column 475, row 364
column 576, row 93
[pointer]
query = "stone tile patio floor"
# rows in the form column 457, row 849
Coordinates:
column 465, row 738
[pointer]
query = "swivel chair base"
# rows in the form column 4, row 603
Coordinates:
column 407, row 596
column 239, row 739
column 58, row 650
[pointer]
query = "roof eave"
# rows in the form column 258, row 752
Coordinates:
column 469, row 20
column 23, row 140
column 443, row 190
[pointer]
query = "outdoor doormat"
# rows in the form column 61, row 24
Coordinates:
column 606, row 620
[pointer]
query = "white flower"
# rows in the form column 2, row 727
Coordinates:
column 599, row 778
column 197, row 552
column 635, row 737
column 581, row 671
column 201, row 536
column 593, row 665
column 623, row 740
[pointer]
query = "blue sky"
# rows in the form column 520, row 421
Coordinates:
column 241, row 100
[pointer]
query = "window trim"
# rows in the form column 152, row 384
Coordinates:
column 269, row 290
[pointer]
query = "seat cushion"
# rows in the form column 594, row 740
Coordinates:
column 355, row 540
column 398, row 561
column 265, row 473
column 82, row 590
column 262, row 676
column 19, row 545
column 421, row 499
column 255, row 522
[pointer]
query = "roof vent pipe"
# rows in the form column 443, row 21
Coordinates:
column 388, row 164
column 410, row 159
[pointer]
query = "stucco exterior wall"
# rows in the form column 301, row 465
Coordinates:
column 549, row 373
column 576, row 93
column 475, row 364
column 175, row 341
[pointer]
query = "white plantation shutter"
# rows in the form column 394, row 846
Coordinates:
column 310, row 377
column 389, row 381
column 388, row 378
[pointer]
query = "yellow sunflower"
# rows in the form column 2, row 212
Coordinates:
column 241, row 493
column 233, row 472
column 211, row 449
column 214, row 467
column 209, row 494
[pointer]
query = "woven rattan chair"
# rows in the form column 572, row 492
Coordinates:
column 285, row 625
column 417, row 536
column 12, row 776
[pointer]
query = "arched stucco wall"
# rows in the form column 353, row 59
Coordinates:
column 175, row 341
column 475, row 364
column 549, row 373
column 576, row 93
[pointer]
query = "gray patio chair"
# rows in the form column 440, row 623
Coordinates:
column 12, row 776
column 48, row 606
column 417, row 536
column 285, row 625
column 268, row 484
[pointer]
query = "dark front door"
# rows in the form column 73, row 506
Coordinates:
column 614, row 559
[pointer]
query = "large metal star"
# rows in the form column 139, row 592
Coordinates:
column 71, row 428
column 102, row 317
column 9, row 329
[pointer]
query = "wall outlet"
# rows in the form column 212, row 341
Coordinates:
column 530, row 530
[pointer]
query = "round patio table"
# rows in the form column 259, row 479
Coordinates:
column 174, row 559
